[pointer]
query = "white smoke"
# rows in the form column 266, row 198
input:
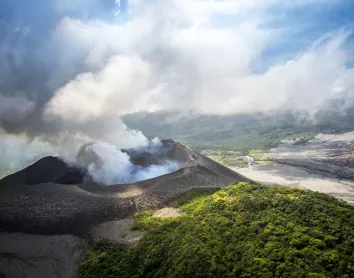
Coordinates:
column 161, row 55
column 105, row 163
column 108, row 165
column 19, row 151
column 153, row 171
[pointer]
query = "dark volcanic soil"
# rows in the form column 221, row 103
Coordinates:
column 32, row 203
column 53, row 208
column 47, row 169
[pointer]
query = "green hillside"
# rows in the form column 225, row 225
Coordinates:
column 242, row 132
column 243, row 230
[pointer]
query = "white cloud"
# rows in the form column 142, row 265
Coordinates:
column 304, row 83
column 170, row 54
column 173, row 55
column 116, row 89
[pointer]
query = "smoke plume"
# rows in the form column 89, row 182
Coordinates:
column 70, row 69
column 108, row 165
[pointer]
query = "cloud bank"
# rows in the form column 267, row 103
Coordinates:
column 70, row 69
column 180, row 55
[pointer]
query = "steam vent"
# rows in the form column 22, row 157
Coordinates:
column 51, row 207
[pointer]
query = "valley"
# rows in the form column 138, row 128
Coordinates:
column 313, row 152
column 323, row 164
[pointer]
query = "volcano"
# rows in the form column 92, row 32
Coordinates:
column 52, row 198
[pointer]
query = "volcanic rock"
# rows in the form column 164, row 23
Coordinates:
column 54, row 208
column 117, row 232
column 47, row 169
column 23, row 256
column 37, row 200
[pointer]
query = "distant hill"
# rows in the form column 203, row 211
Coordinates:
column 241, row 132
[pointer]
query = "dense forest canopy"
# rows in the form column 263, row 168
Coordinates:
column 244, row 230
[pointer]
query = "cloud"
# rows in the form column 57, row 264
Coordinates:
column 175, row 56
column 69, row 76
column 13, row 109
column 14, row 147
column 183, row 58
column 304, row 83
column 165, row 55
column 120, row 84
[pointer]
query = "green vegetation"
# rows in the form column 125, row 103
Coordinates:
column 241, row 132
column 242, row 143
column 226, row 157
column 260, row 157
column 221, row 152
column 229, row 161
column 233, row 159
column 244, row 230
column 190, row 195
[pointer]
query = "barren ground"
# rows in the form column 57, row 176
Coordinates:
column 325, row 164
column 292, row 176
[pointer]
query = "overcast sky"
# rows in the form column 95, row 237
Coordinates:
column 73, row 67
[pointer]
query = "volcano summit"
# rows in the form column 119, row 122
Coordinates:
column 43, row 199
column 50, row 197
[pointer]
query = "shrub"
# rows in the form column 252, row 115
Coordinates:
column 244, row 230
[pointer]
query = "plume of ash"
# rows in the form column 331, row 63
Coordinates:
column 108, row 165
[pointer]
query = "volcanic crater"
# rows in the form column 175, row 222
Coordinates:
column 52, row 209
column 51, row 197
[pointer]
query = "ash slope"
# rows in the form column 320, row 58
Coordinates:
column 57, row 208
column 47, row 169
column 325, row 164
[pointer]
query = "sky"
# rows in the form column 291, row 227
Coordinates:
column 69, row 69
